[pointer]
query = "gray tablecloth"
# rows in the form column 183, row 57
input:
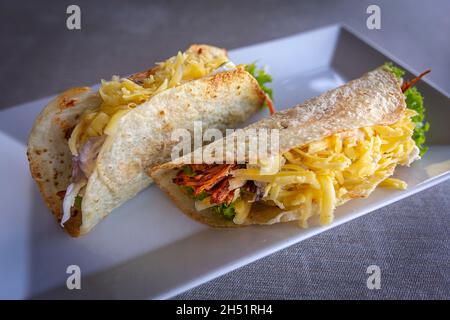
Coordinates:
column 409, row 240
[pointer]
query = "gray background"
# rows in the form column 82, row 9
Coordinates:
column 409, row 240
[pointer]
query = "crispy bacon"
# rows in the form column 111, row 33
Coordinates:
column 408, row 84
column 270, row 106
column 139, row 77
column 220, row 192
column 230, row 197
column 213, row 179
column 206, row 177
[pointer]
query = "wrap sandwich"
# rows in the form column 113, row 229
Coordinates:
column 332, row 148
column 88, row 149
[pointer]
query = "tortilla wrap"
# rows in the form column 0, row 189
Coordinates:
column 142, row 139
column 374, row 99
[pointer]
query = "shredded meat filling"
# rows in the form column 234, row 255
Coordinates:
column 408, row 84
column 213, row 179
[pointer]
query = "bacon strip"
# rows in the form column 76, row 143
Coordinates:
column 212, row 178
column 220, row 192
column 230, row 197
column 139, row 77
column 408, row 84
column 270, row 106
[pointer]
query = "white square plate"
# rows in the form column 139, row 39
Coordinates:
column 147, row 248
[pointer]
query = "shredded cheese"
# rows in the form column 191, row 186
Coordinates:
column 342, row 166
column 121, row 95
column 393, row 183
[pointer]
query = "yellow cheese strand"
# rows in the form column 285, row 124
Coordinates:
column 121, row 95
column 337, row 168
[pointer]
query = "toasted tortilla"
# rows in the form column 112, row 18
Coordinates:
column 374, row 99
column 142, row 139
column 48, row 152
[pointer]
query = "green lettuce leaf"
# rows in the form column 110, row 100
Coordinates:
column 414, row 101
column 227, row 211
column 199, row 197
column 397, row 71
column 188, row 170
column 262, row 77
column 77, row 203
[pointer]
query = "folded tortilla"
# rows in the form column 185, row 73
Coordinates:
column 139, row 139
column 370, row 110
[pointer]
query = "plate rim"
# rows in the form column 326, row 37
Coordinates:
column 270, row 249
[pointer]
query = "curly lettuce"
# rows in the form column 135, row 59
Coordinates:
column 414, row 101
column 397, row 71
column 190, row 191
column 262, row 77
column 77, row 203
column 225, row 210
column 188, row 171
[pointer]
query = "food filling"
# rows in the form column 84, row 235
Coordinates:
column 319, row 175
column 121, row 95
column 313, row 178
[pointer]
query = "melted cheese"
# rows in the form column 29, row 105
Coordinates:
column 121, row 95
column 342, row 166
